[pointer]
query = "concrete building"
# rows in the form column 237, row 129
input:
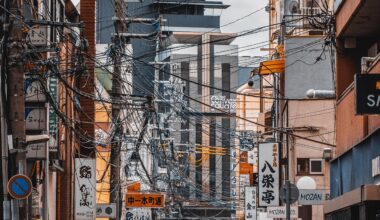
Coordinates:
column 193, row 48
column 209, row 140
column 295, row 50
column 354, row 170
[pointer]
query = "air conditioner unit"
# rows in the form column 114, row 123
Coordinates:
column 106, row 210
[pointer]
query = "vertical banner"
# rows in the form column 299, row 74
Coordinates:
column 53, row 120
column 268, row 174
column 250, row 203
column 252, row 157
column 85, row 193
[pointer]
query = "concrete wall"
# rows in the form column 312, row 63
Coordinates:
column 321, row 115
column 302, row 70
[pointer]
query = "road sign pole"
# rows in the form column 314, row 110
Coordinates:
column 287, row 185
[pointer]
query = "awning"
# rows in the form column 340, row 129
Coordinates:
column 272, row 66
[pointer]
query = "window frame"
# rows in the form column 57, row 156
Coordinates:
column 310, row 168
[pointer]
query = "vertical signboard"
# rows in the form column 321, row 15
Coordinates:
column 252, row 157
column 268, row 174
column 85, row 193
column 250, row 203
column 53, row 123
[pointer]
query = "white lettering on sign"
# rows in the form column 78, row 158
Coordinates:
column 373, row 101
column 221, row 102
column 280, row 212
column 313, row 196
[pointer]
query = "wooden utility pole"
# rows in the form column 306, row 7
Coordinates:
column 16, row 98
column 118, row 44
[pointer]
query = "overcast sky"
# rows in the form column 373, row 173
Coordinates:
column 239, row 9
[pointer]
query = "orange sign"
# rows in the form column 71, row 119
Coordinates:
column 245, row 168
column 134, row 187
column 144, row 200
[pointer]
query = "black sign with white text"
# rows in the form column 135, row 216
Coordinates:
column 367, row 88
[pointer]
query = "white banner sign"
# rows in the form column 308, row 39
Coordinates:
column 244, row 182
column 280, row 212
column 252, row 157
column 250, row 203
column 313, row 196
column 138, row 214
column 85, row 194
column 268, row 174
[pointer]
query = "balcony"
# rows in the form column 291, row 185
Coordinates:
column 356, row 18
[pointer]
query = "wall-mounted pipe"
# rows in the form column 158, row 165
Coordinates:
column 320, row 94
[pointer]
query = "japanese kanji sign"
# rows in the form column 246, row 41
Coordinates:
column 250, row 203
column 85, row 194
column 144, row 200
column 268, row 174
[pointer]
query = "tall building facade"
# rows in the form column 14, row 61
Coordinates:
column 302, row 63
column 354, row 170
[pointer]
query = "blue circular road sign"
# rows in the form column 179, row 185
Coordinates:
column 19, row 186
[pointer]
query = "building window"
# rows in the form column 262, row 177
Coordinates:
column 302, row 166
column 316, row 166
column 306, row 166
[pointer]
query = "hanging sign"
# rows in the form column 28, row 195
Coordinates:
column 268, row 174
column 53, row 119
column 250, row 203
column 85, row 192
column 152, row 200
column 367, row 89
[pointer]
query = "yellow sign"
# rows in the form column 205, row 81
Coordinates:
column 144, row 200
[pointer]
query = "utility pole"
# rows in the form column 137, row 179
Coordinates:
column 16, row 97
column 287, row 181
column 115, row 159
column 5, row 205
